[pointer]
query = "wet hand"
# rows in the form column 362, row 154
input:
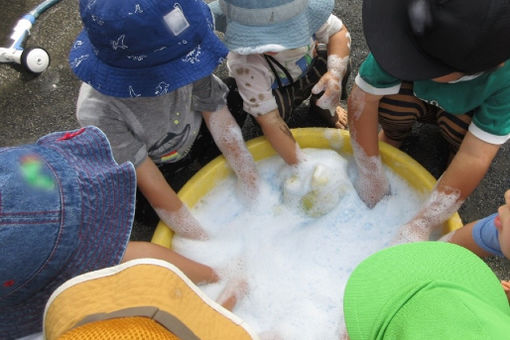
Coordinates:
column 371, row 188
column 183, row 223
column 330, row 83
column 410, row 232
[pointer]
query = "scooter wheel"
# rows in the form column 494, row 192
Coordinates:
column 35, row 59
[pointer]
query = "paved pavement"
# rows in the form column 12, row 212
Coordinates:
column 33, row 106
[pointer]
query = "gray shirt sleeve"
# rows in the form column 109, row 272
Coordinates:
column 209, row 94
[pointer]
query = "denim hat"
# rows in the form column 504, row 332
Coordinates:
column 66, row 207
column 425, row 290
column 138, row 299
column 254, row 26
column 425, row 39
column 147, row 48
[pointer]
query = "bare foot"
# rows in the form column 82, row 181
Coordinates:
column 337, row 119
column 341, row 114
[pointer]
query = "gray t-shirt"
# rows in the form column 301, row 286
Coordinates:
column 163, row 127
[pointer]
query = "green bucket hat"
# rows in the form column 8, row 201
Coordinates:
column 425, row 290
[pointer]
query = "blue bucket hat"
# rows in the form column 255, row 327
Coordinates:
column 66, row 207
column 147, row 48
column 254, row 26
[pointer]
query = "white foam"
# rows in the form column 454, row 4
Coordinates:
column 296, row 266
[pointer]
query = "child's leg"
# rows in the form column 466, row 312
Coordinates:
column 197, row 272
column 464, row 237
column 399, row 112
column 453, row 128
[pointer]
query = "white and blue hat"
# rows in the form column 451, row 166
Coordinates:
column 254, row 26
column 147, row 48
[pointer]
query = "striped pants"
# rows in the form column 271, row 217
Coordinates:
column 398, row 113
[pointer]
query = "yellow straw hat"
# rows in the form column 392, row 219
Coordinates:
column 139, row 299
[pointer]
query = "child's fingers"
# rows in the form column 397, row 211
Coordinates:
column 326, row 102
column 330, row 99
column 506, row 285
column 334, row 86
column 319, row 87
column 506, row 288
column 235, row 289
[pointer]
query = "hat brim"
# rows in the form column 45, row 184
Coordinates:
column 392, row 276
column 102, row 228
column 143, row 287
column 293, row 33
column 389, row 38
column 147, row 81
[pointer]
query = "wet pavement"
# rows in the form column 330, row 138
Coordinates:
column 32, row 106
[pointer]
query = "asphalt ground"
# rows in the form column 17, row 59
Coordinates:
column 32, row 106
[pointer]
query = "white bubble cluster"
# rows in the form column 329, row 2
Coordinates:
column 295, row 265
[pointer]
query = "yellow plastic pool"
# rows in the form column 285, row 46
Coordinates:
column 323, row 138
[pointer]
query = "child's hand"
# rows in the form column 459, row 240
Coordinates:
column 331, row 83
column 332, row 87
column 506, row 288
column 183, row 223
column 237, row 284
column 234, row 291
column 411, row 232
column 371, row 187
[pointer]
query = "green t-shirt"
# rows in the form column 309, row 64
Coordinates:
column 487, row 94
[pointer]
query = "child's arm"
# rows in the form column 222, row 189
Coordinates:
column 339, row 48
column 455, row 185
column 371, row 183
column 228, row 137
column 165, row 201
column 464, row 237
column 253, row 78
column 197, row 272
column 279, row 136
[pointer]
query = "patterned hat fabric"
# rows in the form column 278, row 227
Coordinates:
column 145, row 48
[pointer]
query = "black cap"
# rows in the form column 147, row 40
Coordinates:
column 424, row 39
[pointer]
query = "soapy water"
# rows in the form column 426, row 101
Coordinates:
column 295, row 265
